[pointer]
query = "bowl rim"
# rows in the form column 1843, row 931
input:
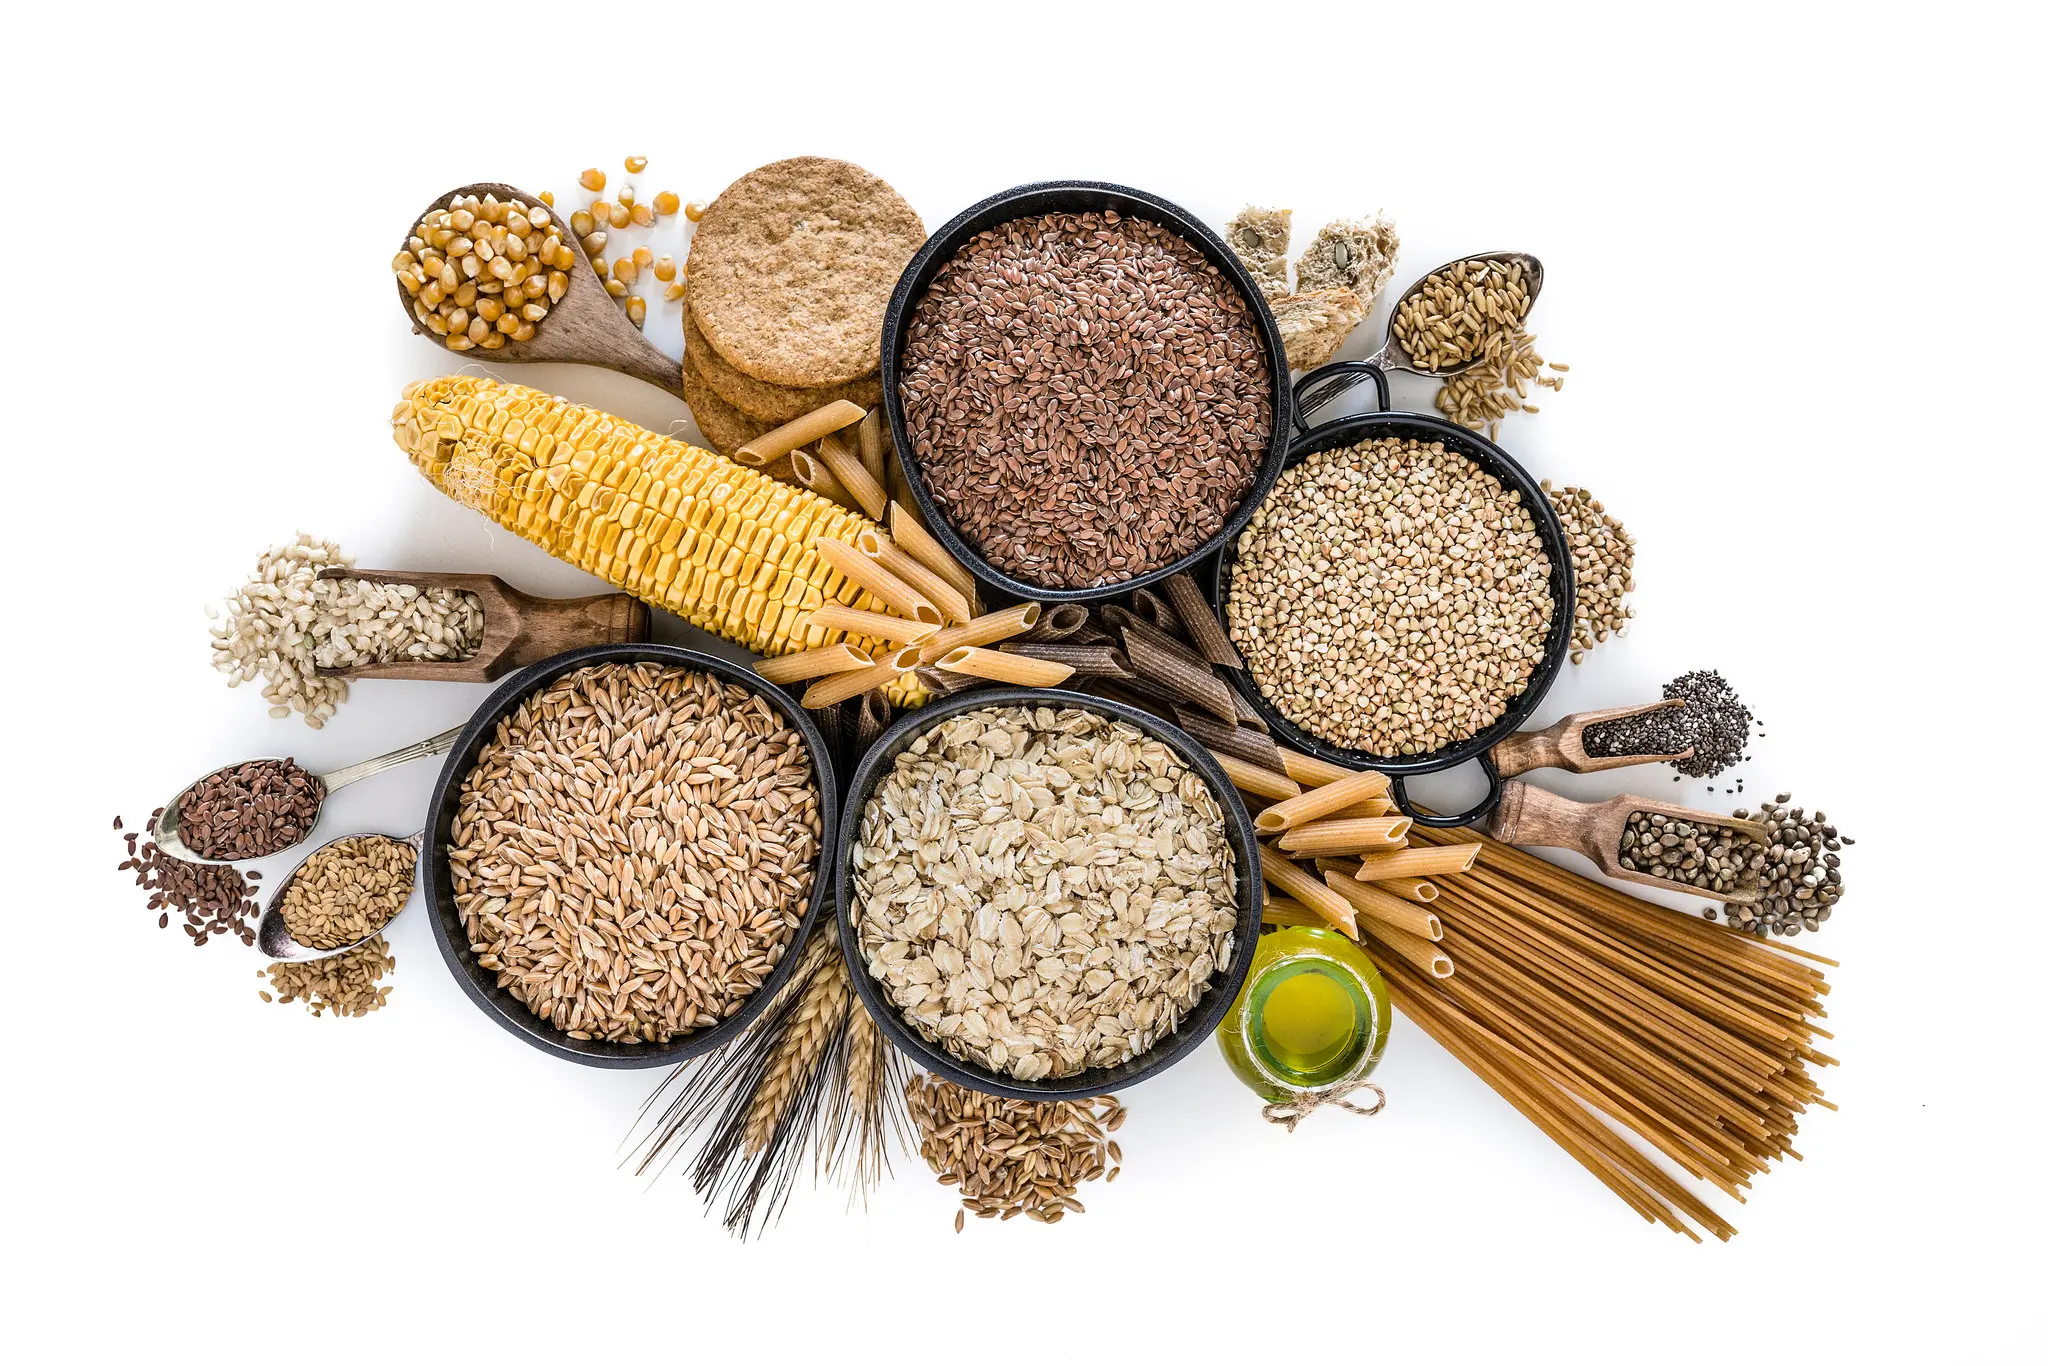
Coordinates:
column 1198, row 1025
column 1474, row 446
column 478, row 984
column 1050, row 196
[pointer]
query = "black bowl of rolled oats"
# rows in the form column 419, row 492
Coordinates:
column 1043, row 893
column 1087, row 387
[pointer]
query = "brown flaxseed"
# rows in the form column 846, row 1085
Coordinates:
column 1087, row 395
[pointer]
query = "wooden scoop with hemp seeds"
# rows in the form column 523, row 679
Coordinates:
column 1640, row 839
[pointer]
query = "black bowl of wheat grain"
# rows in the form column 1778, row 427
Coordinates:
column 626, row 852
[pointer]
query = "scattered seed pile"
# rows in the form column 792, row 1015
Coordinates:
column 287, row 621
column 1480, row 397
column 251, row 810
column 1603, row 568
column 1087, row 395
column 1713, row 723
column 634, row 848
column 1456, row 313
column 1802, row 872
column 1713, row 858
column 1390, row 597
column 348, row 890
column 344, row 985
column 212, row 898
column 483, row 272
column 1012, row 1157
column 1043, row 891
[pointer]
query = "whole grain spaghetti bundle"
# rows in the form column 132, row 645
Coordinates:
column 1575, row 1001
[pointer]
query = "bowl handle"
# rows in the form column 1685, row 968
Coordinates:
column 1318, row 387
column 1484, row 809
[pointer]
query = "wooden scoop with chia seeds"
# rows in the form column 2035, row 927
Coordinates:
column 1529, row 815
column 1563, row 745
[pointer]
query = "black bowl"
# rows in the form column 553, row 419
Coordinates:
column 1074, row 196
column 1349, row 431
column 1199, row 1023
column 480, row 984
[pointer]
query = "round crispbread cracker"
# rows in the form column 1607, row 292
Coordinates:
column 791, row 269
column 771, row 403
column 724, row 426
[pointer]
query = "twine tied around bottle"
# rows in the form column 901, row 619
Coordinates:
column 1302, row 1104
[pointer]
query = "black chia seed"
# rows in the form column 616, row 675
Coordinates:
column 1713, row 723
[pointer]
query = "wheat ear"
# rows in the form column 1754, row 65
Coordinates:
column 802, row 1046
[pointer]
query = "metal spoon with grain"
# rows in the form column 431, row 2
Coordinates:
column 166, row 830
column 274, row 938
column 1392, row 355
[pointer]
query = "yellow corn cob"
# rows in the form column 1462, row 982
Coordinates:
column 725, row 548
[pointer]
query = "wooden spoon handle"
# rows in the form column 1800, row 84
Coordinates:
column 549, row 626
column 1529, row 815
column 1530, row 749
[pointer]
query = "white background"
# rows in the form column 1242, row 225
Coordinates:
column 1793, row 264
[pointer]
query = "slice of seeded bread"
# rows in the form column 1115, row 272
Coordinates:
column 1352, row 253
column 1314, row 324
column 1259, row 237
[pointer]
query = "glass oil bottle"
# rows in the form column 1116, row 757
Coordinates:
column 1312, row 1016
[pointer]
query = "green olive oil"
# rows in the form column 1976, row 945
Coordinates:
column 1312, row 1015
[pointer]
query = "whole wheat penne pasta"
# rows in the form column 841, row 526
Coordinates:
column 870, row 436
column 813, row 475
column 832, row 690
column 1250, row 778
column 1310, row 771
column 922, row 546
column 997, row 667
column 943, row 683
column 836, row 616
column 1371, row 806
column 952, row 604
column 1449, row 858
column 1319, row 801
column 1424, row 955
column 826, row 659
column 1253, row 746
column 800, row 431
column 844, row 462
column 1373, row 833
column 899, row 596
column 1096, row 661
column 1298, row 883
column 986, row 629
column 1380, row 908
column 1285, row 910
column 1415, row 889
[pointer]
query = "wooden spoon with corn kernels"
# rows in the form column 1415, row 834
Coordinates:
column 586, row 326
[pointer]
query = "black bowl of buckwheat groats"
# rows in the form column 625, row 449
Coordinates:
column 1402, row 598
column 1087, row 387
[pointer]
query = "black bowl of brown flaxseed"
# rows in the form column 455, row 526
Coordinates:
column 1087, row 387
